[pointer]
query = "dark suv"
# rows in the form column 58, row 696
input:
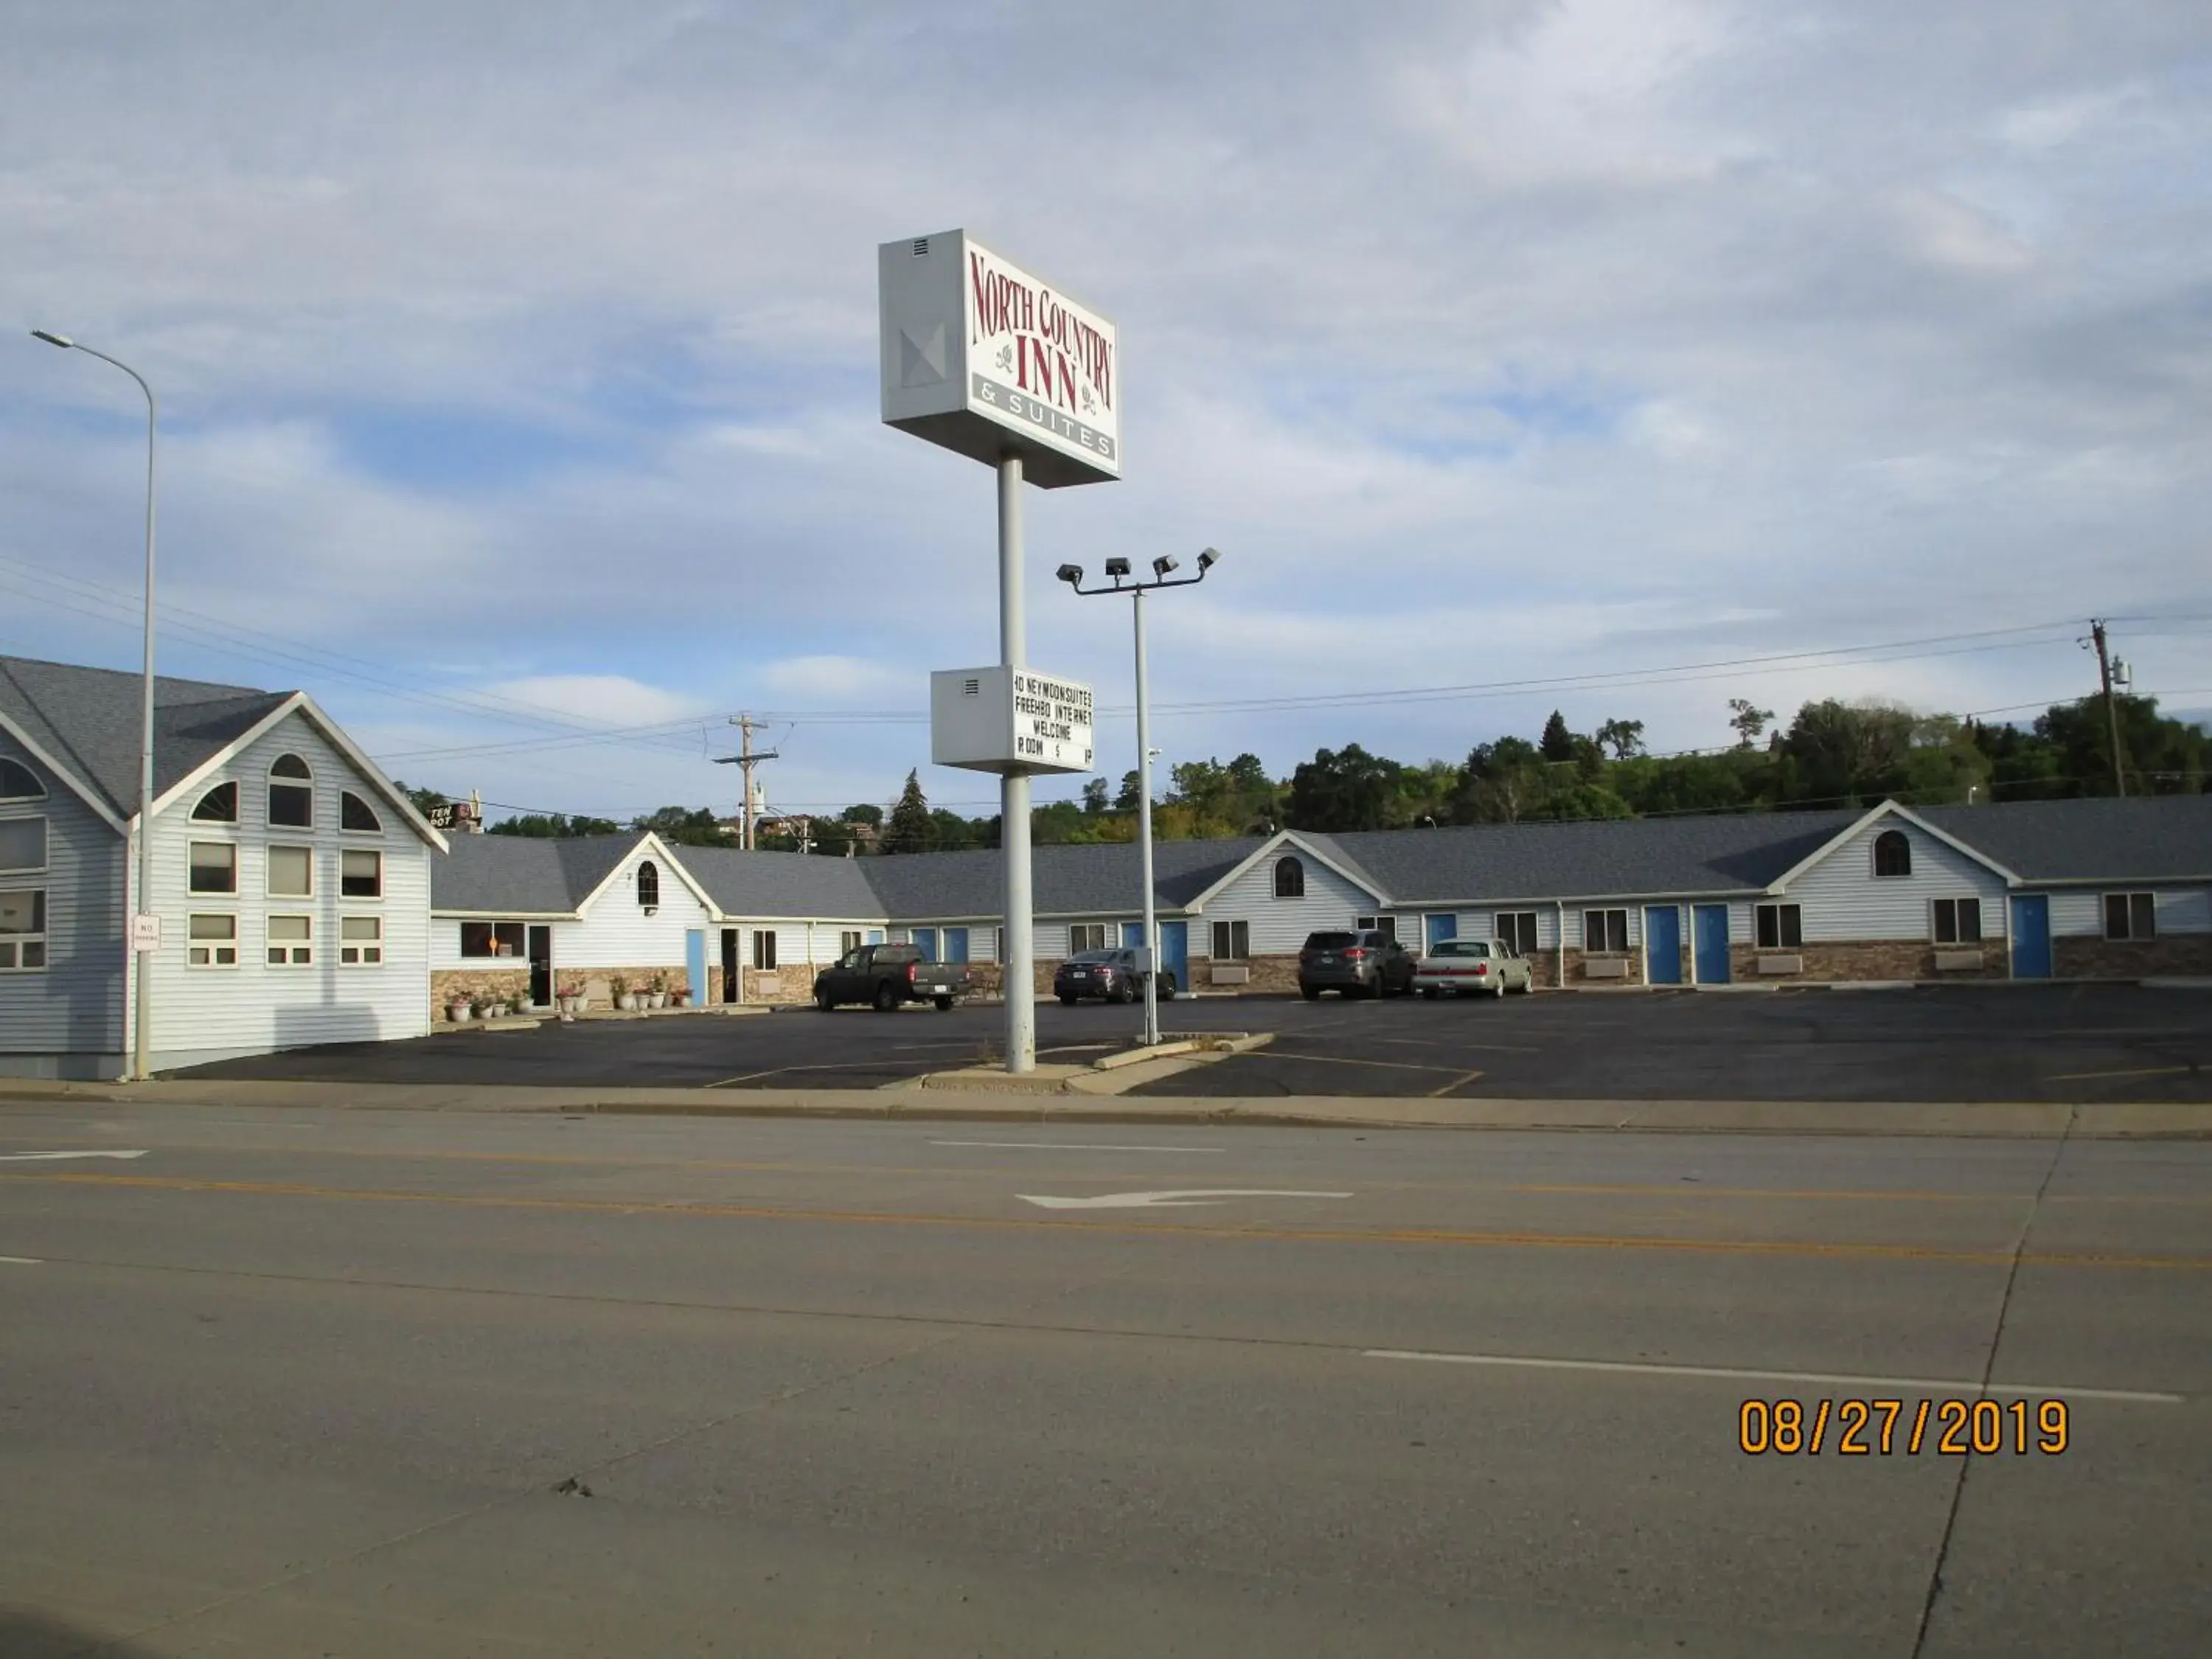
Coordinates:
column 1110, row 974
column 1358, row 965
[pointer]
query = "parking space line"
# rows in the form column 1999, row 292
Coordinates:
column 1076, row 1146
column 1819, row 1379
column 1279, row 1052
column 1447, row 1088
column 2141, row 1071
column 23, row 1260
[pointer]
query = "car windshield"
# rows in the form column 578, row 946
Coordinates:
column 1330, row 941
column 1461, row 947
column 1095, row 956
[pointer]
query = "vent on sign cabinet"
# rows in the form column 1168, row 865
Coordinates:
column 971, row 688
column 920, row 246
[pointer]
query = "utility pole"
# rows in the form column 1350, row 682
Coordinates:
column 745, row 760
column 2112, row 709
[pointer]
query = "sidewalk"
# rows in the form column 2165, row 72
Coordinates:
column 2028, row 1119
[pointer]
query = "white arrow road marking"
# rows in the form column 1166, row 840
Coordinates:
column 1166, row 1200
column 27, row 1158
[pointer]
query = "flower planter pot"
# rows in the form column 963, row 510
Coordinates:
column 458, row 1011
column 660, row 999
column 627, row 1003
column 679, row 999
column 570, row 1006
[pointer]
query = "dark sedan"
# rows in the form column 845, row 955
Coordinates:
column 1111, row 975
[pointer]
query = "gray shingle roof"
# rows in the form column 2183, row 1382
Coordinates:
column 522, row 875
column 1094, row 880
column 783, row 884
column 89, row 720
column 1587, row 858
column 2157, row 838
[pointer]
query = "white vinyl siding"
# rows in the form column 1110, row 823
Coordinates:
column 1279, row 926
column 1844, row 900
column 615, row 932
column 74, row 1005
column 201, row 1015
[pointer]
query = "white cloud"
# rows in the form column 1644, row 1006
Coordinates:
column 600, row 699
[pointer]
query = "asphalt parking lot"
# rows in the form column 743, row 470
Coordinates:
column 2091, row 1042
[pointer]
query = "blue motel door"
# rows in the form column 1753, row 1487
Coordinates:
column 1662, row 944
column 1175, row 953
column 1709, row 923
column 2031, row 936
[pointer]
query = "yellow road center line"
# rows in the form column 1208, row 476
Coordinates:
column 678, row 1207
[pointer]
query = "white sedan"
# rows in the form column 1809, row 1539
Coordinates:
column 1468, row 967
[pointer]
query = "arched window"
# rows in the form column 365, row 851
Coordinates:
column 648, row 886
column 355, row 813
column 1893, row 854
column 291, row 794
column 218, row 805
column 19, row 782
column 1290, row 878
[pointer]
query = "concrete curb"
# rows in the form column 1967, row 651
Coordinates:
column 2008, row 1120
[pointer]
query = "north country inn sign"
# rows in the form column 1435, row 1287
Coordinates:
column 986, row 360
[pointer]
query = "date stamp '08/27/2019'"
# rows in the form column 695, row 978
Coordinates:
column 1886, row 1428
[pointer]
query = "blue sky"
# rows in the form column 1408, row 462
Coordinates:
column 520, row 394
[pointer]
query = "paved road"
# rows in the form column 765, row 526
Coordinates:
column 319, row 1383
column 2058, row 1042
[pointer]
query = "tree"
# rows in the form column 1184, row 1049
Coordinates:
column 865, row 813
column 685, row 826
column 1125, row 800
column 1348, row 789
column 1558, row 743
column 422, row 799
column 1500, row 782
column 1094, row 796
column 1748, row 720
column 553, row 826
column 1623, row 737
column 909, row 830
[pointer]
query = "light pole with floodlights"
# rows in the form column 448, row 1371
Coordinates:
column 1163, row 569
column 143, row 1056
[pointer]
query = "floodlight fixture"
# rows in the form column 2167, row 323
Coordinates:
column 1070, row 574
column 1117, row 569
column 1165, row 566
column 1207, row 560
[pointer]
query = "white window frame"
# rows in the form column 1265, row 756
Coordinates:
column 1606, row 949
column 273, row 781
column 1782, row 940
column 1235, row 934
column 350, row 952
column 209, row 793
column 764, row 950
column 849, row 939
column 345, row 852
column 376, row 824
column 207, row 947
column 38, row 785
column 297, row 953
column 1500, row 920
column 46, row 846
column 2150, row 901
column 191, row 892
column 16, row 945
column 1935, row 908
column 1874, row 856
column 1295, row 866
column 491, row 937
column 1079, row 932
column 269, row 870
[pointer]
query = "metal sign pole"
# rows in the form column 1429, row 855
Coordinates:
column 1018, row 980
column 1145, row 834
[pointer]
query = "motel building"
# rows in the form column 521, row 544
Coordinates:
column 304, row 900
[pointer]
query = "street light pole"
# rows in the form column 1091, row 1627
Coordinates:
column 1144, row 830
column 1163, row 570
column 141, row 965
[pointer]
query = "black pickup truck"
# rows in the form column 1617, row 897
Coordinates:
column 885, row 976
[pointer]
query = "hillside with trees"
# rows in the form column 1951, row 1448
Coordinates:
column 1831, row 754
